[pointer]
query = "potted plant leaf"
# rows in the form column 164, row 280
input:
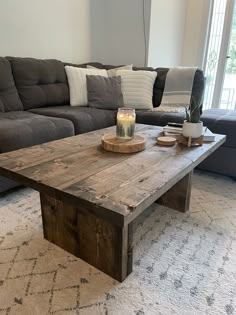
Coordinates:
column 192, row 126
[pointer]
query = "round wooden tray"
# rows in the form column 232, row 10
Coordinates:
column 111, row 143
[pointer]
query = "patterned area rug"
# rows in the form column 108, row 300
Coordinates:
column 183, row 263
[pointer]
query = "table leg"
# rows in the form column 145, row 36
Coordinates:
column 178, row 197
column 100, row 243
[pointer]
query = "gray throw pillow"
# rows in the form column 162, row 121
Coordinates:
column 104, row 93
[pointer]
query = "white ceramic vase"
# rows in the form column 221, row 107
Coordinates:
column 193, row 130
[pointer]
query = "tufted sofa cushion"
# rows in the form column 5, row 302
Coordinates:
column 222, row 121
column 40, row 82
column 22, row 129
column 9, row 97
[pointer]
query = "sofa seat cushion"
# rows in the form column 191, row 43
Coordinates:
column 158, row 118
column 9, row 97
column 85, row 119
column 222, row 121
column 40, row 82
column 24, row 129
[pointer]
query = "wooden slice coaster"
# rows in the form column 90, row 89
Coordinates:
column 167, row 141
column 111, row 143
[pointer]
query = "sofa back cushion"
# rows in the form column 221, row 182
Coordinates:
column 9, row 97
column 40, row 82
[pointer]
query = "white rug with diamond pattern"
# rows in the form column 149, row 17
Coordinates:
column 183, row 263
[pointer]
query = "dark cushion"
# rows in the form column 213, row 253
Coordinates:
column 40, row 82
column 23, row 129
column 85, row 119
column 9, row 97
column 104, row 93
column 222, row 121
column 158, row 118
column 6, row 184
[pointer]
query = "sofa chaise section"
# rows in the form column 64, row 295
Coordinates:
column 19, row 128
column 85, row 119
column 219, row 121
column 22, row 129
column 222, row 161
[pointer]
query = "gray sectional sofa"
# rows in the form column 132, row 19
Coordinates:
column 34, row 108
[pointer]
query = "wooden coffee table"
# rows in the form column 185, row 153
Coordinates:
column 90, row 197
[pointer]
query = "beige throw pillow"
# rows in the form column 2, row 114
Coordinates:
column 112, row 72
column 137, row 88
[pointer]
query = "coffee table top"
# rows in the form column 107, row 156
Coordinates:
column 116, row 186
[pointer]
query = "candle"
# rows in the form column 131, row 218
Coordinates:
column 125, row 123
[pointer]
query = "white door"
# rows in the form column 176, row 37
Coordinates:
column 218, row 93
column 228, row 92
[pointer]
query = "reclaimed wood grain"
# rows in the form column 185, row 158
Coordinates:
column 87, row 236
column 178, row 196
column 144, row 187
column 77, row 176
column 27, row 157
column 46, row 152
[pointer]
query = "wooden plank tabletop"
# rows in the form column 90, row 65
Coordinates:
column 117, row 186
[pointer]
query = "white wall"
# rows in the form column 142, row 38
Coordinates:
column 45, row 29
column 167, row 32
column 109, row 31
column 117, row 31
column 195, row 36
column 175, row 32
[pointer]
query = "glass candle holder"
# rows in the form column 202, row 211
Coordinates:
column 125, row 123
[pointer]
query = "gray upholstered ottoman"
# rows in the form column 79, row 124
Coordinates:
column 223, row 160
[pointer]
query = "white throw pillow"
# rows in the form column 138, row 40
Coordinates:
column 112, row 72
column 137, row 88
column 78, row 85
